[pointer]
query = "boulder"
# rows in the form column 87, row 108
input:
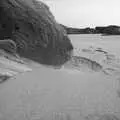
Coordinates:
column 34, row 30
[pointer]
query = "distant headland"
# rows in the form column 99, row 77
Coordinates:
column 104, row 30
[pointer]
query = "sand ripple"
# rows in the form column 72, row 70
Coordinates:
column 94, row 60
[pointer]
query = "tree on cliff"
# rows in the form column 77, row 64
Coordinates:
column 33, row 29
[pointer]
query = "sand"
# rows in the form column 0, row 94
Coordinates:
column 67, row 93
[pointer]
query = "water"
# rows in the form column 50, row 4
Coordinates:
column 68, row 93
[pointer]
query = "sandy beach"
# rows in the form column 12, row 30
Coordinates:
column 67, row 93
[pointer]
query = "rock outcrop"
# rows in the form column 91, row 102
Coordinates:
column 32, row 27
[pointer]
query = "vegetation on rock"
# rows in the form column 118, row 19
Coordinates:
column 35, row 32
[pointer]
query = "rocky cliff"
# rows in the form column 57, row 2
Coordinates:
column 34, row 31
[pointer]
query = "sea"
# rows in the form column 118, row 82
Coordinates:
column 85, row 88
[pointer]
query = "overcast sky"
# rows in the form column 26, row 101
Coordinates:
column 85, row 13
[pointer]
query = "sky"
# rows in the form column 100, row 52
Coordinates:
column 85, row 13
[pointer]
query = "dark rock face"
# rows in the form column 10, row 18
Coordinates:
column 32, row 27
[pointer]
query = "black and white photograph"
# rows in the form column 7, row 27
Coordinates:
column 59, row 60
